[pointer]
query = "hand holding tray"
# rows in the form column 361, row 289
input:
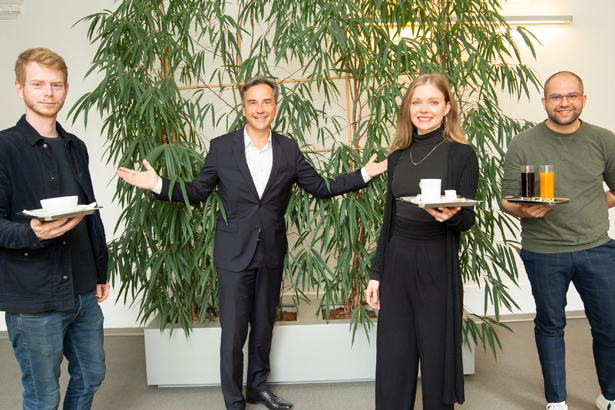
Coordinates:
column 443, row 203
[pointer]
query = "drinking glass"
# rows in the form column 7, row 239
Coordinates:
column 547, row 182
column 527, row 181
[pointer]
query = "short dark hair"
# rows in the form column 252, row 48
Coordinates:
column 42, row 56
column 257, row 81
column 570, row 73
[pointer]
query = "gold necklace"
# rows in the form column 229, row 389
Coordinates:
column 434, row 148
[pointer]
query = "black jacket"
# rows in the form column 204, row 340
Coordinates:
column 36, row 276
column 247, row 214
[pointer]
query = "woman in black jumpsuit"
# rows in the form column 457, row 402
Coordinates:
column 415, row 279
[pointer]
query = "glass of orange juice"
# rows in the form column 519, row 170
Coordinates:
column 547, row 182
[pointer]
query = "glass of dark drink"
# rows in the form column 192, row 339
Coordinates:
column 527, row 181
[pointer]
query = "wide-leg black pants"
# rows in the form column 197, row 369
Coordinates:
column 250, row 296
column 412, row 324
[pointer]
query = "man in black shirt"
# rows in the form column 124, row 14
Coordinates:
column 52, row 274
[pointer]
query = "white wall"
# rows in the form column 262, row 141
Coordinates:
column 582, row 46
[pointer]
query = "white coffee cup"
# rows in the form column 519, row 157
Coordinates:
column 430, row 189
column 450, row 194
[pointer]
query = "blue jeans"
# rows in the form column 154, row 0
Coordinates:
column 41, row 340
column 592, row 272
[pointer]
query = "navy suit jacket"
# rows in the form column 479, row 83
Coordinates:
column 247, row 214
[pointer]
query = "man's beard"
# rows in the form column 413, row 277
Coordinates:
column 33, row 107
column 575, row 115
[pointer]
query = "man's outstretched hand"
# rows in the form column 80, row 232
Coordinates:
column 146, row 179
column 374, row 168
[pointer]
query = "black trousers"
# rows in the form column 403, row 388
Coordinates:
column 248, row 297
column 412, row 325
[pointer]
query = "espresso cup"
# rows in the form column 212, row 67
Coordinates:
column 450, row 194
column 430, row 190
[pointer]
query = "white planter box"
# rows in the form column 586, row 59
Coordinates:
column 306, row 351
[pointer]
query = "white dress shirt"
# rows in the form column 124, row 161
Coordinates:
column 260, row 163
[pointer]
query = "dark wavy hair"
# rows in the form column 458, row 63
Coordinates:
column 257, row 81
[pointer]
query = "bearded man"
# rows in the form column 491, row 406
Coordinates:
column 568, row 242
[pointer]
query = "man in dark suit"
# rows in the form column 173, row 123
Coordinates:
column 254, row 169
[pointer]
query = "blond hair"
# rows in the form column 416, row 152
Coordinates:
column 42, row 56
column 451, row 129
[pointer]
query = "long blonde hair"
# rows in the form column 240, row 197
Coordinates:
column 451, row 129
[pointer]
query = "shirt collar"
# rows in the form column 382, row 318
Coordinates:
column 33, row 136
column 247, row 141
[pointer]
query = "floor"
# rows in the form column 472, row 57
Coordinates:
column 511, row 382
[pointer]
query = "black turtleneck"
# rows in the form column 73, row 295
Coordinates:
column 407, row 175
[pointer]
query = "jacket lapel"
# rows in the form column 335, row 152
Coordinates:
column 239, row 152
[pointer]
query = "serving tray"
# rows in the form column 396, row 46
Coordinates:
column 443, row 203
column 537, row 201
column 49, row 216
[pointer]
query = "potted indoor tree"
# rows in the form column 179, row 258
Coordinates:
column 171, row 72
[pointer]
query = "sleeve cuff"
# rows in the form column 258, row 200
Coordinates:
column 453, row 219
column 366, row 178
column 158, row 188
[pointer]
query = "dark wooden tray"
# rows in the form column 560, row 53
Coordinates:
column 537, row 201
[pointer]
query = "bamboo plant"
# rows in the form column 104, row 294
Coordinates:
column 171, row 74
